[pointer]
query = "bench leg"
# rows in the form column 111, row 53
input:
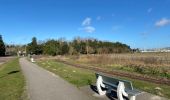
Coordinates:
column 100, row 84
column 121, row 91
column 132, row 97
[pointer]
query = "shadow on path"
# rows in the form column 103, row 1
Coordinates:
column 111, row 95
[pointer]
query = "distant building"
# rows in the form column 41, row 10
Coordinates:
column 156, row 50
column 21, row 53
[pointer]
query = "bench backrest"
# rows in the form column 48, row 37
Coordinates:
column 115, row 81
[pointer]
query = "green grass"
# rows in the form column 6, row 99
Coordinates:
column 11, row 81
column 82, row 77
column 150, row 87
column 76, row 76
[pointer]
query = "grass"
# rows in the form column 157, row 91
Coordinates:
column 76, row 76
column 11, row 81
column 82, row 77
column 157, row 89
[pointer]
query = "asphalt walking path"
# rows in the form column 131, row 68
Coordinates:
column 44, row 85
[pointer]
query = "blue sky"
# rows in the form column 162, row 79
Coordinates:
column 138, row 23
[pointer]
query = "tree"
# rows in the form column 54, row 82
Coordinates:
column 33, row 47
column 51, row 47
column 76, row 46
column 64, row 48
column 2, row 47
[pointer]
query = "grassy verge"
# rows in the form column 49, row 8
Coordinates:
column 81, row 77
column 76, row 76
column 11, row 81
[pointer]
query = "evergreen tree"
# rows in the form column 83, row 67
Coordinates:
column 2, row 47
column 32, row 47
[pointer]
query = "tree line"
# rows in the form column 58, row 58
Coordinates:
column 76, row 46
column 2, row 47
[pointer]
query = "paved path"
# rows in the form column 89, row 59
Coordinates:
column 5, row 59
column 43, row 85
column 142, row 96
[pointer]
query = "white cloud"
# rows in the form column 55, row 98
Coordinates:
column 86, row 25
column 86, row 22
column 162, row 22
column 150, row 10
column 89, row 29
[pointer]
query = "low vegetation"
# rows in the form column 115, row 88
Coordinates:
column 11, row 81
column 82, row 77
column 152, row 64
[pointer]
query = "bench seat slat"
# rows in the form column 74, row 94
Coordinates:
column 112, row 85
column 133, row 92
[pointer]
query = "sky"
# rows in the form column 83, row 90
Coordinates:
column 138, row 23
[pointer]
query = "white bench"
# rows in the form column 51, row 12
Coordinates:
column 122, row 87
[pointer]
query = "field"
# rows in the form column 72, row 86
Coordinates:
column 156, row 65
column 81, row 77
column 11, row 80
column 150, row 64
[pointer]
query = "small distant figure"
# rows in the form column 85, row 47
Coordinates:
column 32, row 60
column 19, row 53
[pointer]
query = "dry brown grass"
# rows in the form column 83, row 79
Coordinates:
column 154, row 64
column 144, row 63
column 139, row 59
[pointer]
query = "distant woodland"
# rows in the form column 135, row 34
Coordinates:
column 63, row 47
